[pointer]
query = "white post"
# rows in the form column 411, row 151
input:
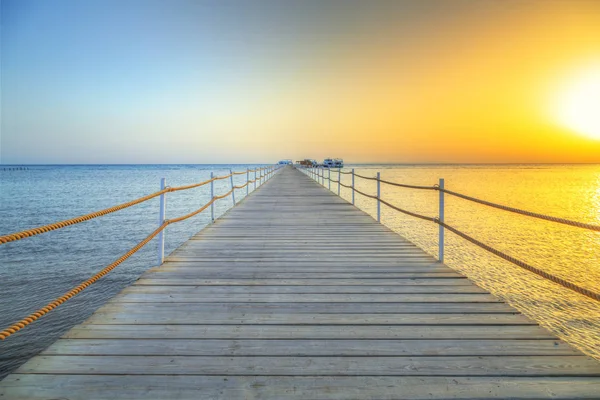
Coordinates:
column 378, row 197
column 212, row 196
column 329, row 178
column 161, row 220
column 232, row 189
column 254, row 177
column 339, row 180
column 441, row 231
column 353, row 186
column 247, row 181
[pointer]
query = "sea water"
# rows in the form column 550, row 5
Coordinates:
column 36, row 270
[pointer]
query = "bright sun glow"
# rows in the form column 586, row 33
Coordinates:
column 580, row 105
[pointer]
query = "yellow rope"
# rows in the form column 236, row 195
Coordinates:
column 82, row 286
column 76, row 290
column 62, row 224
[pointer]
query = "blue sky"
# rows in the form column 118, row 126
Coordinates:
column 182, row 81
column 140, row 81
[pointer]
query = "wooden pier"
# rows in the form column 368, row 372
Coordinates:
column 295, row 293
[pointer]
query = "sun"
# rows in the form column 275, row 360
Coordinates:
column 580, row 105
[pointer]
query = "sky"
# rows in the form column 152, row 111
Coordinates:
column 447, row 81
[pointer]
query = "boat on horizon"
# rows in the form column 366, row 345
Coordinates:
column 333, row 163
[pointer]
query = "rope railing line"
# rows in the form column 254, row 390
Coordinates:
column 408, row 186
column 370, row 178
column 523, row 212
column 558, row 280
column 204, row 207
column 76, row 290
column 62, row 224
column 192, row 186
column 426, row 218
column 346, row 186
column 486, row 203
column 346, row 173
column 364, row 194
column 242, row 186
column 223, row 195
column 218, row 178
column 335, row 181
column 522, row 264
column 82, row 286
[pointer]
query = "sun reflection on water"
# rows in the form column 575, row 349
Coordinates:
column 569, row 191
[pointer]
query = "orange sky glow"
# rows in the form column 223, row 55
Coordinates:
column 433, row 82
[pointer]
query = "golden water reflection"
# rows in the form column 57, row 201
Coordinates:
column 568, row 191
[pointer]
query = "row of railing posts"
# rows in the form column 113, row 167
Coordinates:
column 262, row 177
column 318, row 174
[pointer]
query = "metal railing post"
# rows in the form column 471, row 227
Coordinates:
column 378, row 197
column 212, row 196
column 329, row 178
column 339, row 180
column 255, row 178
column 441, row 217
column 247, row 181
column 352, row 186
column 232, row 189
column 161, row 220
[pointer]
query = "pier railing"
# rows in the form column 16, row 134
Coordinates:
column 260, row 176
column 323, row 176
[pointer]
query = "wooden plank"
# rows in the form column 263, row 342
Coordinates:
column 160, row 387
column 323, row 308
column 160, row 287
column 94, row 331
column 153, row 317
column 258, row 274
column 282, row 268
column 364, row 347
column 315, row 366
column 184, row 297
column 168, row 279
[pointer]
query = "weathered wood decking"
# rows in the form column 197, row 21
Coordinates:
column 297, row 294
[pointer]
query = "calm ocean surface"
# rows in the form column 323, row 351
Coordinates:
column 36, row 270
